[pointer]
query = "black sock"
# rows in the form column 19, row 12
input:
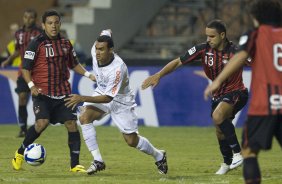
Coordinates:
column 23, row 117
column 226, row 151
column 30, row 137
column 251, row 171
column 228, row 130
column 74, row 145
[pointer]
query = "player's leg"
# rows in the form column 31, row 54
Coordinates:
column 125, row 119
column 23, row 94
column 144, row 145
column 42, row 120
column 258, row 132
column 32, row 134
column 87, row 115
column 62, row 114
column 226, row 152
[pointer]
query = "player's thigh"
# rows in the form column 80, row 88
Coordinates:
column 258, row 132
column 60, row 112
column 90, row 113
column 223, row 111
column 126, row 120
column 41, row 107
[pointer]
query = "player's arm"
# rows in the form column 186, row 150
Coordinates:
column 153, row 80
column 28, row 62
column 74, row 99
column 9, row 60
column 82, row 71
column 235, row 63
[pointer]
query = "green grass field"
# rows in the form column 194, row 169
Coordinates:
column 193, row 158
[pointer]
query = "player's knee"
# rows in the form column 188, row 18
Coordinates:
column 84, row 119
column 217, row 117
column 41, row 125
column 71, row 126
column 131, row 141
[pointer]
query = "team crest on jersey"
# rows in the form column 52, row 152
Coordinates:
column 225, row 59
column 192, row 50
column 29, row 55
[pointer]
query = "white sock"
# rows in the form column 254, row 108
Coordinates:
column 145, row 146
column 89, row 135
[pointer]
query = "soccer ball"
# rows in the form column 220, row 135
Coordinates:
column 35, row 154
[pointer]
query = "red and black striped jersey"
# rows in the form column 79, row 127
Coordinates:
column 49, row 62
column 213, row 62
column 23, row 38
column 264, row 45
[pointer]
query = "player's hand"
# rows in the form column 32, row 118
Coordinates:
column 73, row 100
column 35, row 91
column 210, row 89
column 92, row 77
column 152, row 80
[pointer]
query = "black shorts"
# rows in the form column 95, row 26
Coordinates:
column 55, row 110
column 258, row 132
column 238, row 99
column 21, row 85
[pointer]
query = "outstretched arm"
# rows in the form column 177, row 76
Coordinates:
column 153, row 80
column 81, row 70
column 74, row 99
column 235, row 63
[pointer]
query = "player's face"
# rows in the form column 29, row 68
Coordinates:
column 52, row 26
column 214, row 39
column 29, row 19
column 103, row 53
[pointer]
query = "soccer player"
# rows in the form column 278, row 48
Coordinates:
column 46, row 65
column 113, row 96
column 23, row 36
column 228, row 100
column 264, row 45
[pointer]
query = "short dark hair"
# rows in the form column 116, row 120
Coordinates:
column 33, row 11
column 49, row 13
column 217, row 24
column 107, row 39
column 266, row 11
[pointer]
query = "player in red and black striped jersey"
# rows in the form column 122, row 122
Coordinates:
column 230, row 98
column 23, row 36
column 47, row 61
column 264, row 45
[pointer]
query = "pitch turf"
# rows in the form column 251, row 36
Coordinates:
column 193, row 157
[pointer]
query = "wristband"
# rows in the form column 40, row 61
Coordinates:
column 30, row 84
column 87, row 74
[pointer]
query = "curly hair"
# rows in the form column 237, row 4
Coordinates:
column 267, row 12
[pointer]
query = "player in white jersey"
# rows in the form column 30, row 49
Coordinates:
column 112, row 96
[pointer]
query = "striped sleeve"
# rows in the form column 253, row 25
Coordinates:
column 194, row 53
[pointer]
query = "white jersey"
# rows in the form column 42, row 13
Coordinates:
column 113, row 79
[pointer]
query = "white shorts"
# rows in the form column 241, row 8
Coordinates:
column 123, row 116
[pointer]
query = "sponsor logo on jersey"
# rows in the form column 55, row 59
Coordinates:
column 192, row 50
column 275, row 101
column 48, row 45
column 29, row 55
column 116, row 82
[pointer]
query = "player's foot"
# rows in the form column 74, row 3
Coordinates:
column 78, row 168
column 224, row 168
column 236, row 161
column 95, row 167
column 17, row 161
column 21, row 133
column 162, row 164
